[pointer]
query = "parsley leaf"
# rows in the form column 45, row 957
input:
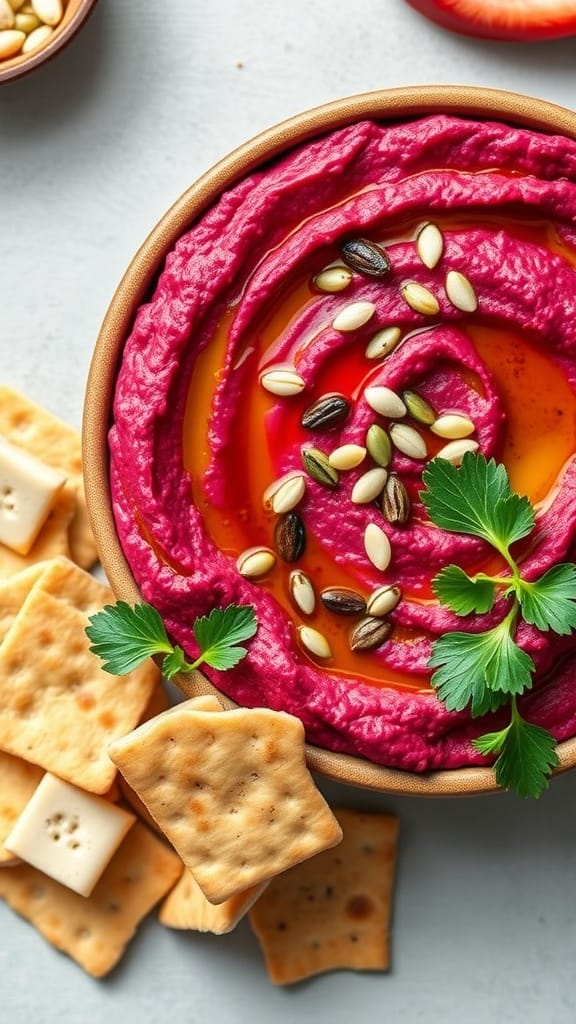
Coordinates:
column 460, row 679
column 476, row 499
column 526, row 755
column 461, row 593
column 125, row 636
column 550, row 602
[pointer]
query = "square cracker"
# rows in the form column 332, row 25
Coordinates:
column 332, row 911
column 29, row 426
column 14, row 591
column 52, row 540
column 95, row 930
column 58, row 708
column 186, row 907
column 18, row 780
column 231, row 791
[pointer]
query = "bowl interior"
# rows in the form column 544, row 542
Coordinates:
column 384, row 105
column 75, row 14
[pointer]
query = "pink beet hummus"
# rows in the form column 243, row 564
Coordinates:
column 243, row 277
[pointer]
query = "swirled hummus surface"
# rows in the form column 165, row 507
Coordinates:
column 198, row 438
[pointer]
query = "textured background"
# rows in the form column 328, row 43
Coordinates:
column 93, row 149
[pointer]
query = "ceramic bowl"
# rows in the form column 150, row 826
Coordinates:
column 134, row 288
column 75, row 15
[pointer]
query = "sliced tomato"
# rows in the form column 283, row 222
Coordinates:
column 503, row 19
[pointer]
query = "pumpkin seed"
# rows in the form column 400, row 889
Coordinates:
column 317, row 466
column 366, row 257
column 326, row 411
column 314, row 641
column 455, row 451
column 383, row 600
column 383, row 343
column 429, row 245
column 418, row 408
column 385, row 402
column 369, row 633
column 395, row 501
column 347, row 456
column 408, row 441
column 379, row 445
column 369, row 486
column 282, row 381
column 461, row 292
column 333, row 279
column 284, row 494
column 419, row 298
column 377, row 546
column 290, row 537
column 453, row 425
column 354, row 315
column 343, row 601
column 302, row 591
column 255, row 562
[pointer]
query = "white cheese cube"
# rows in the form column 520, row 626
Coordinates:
column 68, row 834
column 28, row 488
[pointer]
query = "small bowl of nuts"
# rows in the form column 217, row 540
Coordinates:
column 34, row 31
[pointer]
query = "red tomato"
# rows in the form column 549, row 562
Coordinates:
column 503, row 19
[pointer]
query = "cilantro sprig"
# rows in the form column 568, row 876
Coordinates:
column 125, row 636
column 486, row 670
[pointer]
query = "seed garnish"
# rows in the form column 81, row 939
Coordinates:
column 418, row 408
column 419, row 298
column 347, row 456
column 284, row 494
column 377, row 546
column 383, row 343
column 317, row 466
column 327, row 411
column 454, row 451
column 314, row 641
column 255, row 562
column 379, row 445
column 302, row 591
column 408, row 441
column 290, row 537
column 383, row 600
column 385, row 402
column 369, row 486
column 461, row 292
column 430, row 245
column 366, row 257
column 333, row 279
column 343, row 601
column 354, row 315
column 369, row 634
column 282, row 381
column 453, row 426
column 395, row 501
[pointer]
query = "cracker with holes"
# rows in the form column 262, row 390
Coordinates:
column 58, row 708
column 18, row 780
column 231, row 791
column 32, row 429
column 95, row 930
column 333, row 911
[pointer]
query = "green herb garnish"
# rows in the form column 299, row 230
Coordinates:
column 486, row 670
column 124, row 636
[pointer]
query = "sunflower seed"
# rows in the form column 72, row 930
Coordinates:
column 395, row 501
column 290, row 537
column 453, row 425
column 366, row 257
column 420, row 299
column 377, row 546
column 369, row 634
column 347, row 456
column 383, row 600
column 343, row 601
column 282, row 381
column 429, row 245
column 408, row 441
column 385, row 401
column 383, row 343
column 326, row 411
column 302, row 591
column 461, row 292
column 369, row 486
column 379, row 445
column 418, row 408
column 255, row 562
column 455, row 451
column 284, row 494
column 314, row 641
column 317, row 466
column 333, row 279
column 354, row 315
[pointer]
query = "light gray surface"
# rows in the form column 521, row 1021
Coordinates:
column 93, row 149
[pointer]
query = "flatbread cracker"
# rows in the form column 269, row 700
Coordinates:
column 95, row 930
column 186, row 907
column 18, row 780
column 58, row 708
column 14, row 591
column 231, row 791
column 52, row 540
column 332, row 911
column 28, row 425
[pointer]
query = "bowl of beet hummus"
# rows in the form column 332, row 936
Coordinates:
column 375, row 283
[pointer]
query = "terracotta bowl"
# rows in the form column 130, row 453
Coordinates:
column 134, row 288
column 75, row 15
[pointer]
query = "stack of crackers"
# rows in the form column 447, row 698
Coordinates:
column 228, row 819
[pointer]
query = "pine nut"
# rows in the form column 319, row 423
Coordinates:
column 49, row 11
column 37, row 38
column 377, row 546
column 353, row 316
column 408, row 441
column 385, row 402
column 11, row 43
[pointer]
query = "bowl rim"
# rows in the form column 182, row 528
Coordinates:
column 22, row 64
column 385, row 105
